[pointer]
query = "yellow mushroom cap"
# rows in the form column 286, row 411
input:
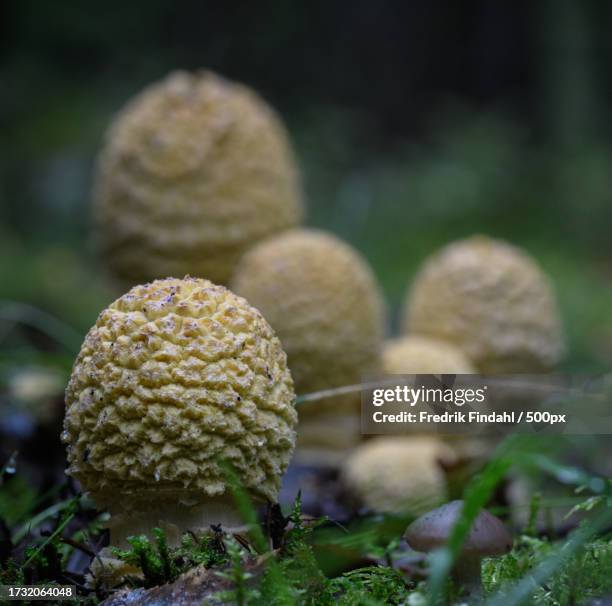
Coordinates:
column 492, row 301
column 194, row 170
column 420, row 355
column 323, row 301
column 175, row 377
column 398, row 474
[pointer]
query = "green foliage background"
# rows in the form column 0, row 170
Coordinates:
column 398, row 170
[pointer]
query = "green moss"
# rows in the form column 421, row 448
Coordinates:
column 372, row 584
column 161, row 564
column 586, row 574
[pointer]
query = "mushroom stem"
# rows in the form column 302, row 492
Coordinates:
column 466, row 575
column 175, row 519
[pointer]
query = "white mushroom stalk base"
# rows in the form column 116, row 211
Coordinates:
column 175, row 519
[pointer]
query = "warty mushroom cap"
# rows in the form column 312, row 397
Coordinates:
column 487, row 536
column 174, row 377
column 195, row 169
column 493, row 301
column 398, row 474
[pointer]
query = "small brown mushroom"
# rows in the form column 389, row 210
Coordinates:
column 487, row 537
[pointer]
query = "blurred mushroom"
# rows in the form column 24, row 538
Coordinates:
column 206, row 166
column 398, row 474
column 323, row 300
column 493, row 301
column 415, row 354
column 487, row 537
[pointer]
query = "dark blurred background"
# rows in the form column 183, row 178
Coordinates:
column 415, row 122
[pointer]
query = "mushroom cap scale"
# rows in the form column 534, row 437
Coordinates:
column 487, row 536
column 175, row 377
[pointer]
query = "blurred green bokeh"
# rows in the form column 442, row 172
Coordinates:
column 396, row 160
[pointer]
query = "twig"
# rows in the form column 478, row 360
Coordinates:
column 400, row 379
column 78, row 546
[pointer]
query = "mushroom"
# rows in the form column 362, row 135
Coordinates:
column 398, row 474
column 324, row 302
column 491, row 300
column 175, row 377
column 487, row 537
column 414, row 354
column 195, row 170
